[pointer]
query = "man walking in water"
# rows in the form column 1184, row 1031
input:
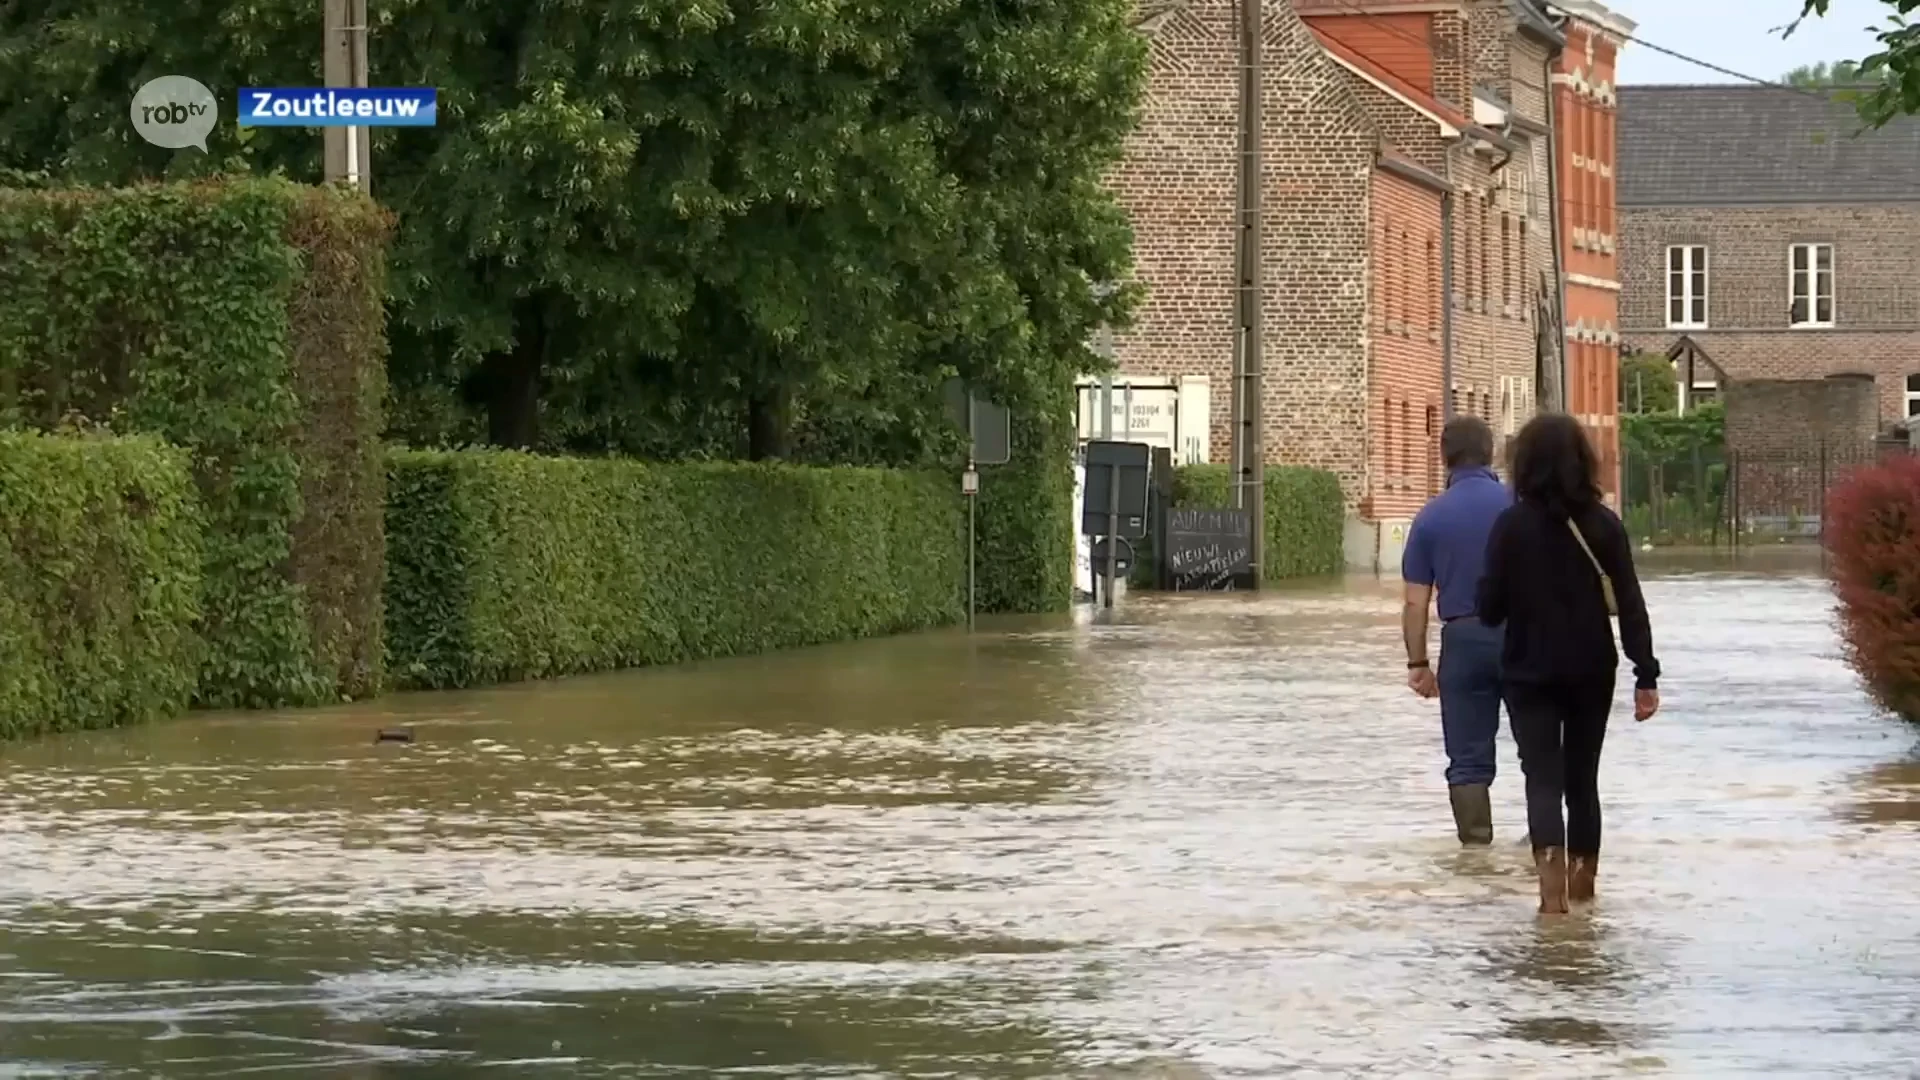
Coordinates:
column 1446, row 551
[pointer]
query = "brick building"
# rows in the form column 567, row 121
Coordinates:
column 1785, row 244
column 1406, row 145
column 1586, row 114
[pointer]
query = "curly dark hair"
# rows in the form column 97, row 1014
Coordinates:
column 1554, row 464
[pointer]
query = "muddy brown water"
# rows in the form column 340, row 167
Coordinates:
column 1206, row 838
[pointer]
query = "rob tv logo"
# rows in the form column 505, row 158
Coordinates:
column 175, row 112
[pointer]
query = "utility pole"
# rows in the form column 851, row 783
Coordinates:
column 347, row 150
column 1249, row 442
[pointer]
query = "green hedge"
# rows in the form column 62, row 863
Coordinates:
column 242, row 321
column 1026, row 529
column 505, row 566
column 1306, row 515
column 99, row 584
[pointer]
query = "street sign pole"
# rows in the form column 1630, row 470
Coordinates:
column 1113, row 528
column 970, row 487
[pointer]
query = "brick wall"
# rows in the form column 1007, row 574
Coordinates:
column 1585, row 121
column 1502, row 220
column 1791, row 437
column 1319, row 156
column 1404, row 391
column 1490, row 33
column 1493, row 327
column 1792, row 418
column 1876, row 290
column 1178, row 184
column 1496, row 338
column 1452, row 71
column 1527, row 79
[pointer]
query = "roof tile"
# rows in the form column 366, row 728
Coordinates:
column 1729, row 145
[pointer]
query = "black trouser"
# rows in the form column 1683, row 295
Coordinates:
column 1560, row 727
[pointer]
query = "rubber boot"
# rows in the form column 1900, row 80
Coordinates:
column 1472, row 813
column 1552, row 864
column 1581, row 871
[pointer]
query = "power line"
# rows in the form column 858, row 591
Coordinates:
column 1708, row 64
column 1760, row 150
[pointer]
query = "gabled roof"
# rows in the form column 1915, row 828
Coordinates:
column 1447, row 116
column 1727, row 145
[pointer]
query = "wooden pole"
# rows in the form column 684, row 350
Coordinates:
column 1249, row 424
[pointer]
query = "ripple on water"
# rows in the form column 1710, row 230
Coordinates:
column 1203, row 838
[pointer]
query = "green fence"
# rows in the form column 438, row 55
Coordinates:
column 1674, row 477
column 1676, row 497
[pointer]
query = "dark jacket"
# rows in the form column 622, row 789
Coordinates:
column 1542, row 586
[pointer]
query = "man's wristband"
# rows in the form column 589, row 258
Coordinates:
column 1415, row 665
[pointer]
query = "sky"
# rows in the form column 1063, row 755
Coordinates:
column 1740, row 34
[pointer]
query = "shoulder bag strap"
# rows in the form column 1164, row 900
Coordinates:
column 1606, row 583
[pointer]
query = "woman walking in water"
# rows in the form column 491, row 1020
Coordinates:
column 1559, row 566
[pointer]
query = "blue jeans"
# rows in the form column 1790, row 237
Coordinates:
column 1469, row 678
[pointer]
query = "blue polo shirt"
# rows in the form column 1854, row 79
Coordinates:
column 1447, row 545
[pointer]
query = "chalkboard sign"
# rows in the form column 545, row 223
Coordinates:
column 1207, row 550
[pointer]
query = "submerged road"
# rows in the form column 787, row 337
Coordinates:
column 1207, row 838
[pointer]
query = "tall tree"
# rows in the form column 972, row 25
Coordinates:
column 1648, row 384
column 720, row 203
column 1895, row 68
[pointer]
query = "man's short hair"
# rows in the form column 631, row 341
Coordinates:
column 1466, row 442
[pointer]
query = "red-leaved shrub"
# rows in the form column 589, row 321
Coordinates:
column 1873, row 535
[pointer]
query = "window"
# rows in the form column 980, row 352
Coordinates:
column 1486, row 256
column 1516, row 392
column 1913, row 395
column 1406, row 445
column 1390, row 448
column 1506, row 261
column 1687, row 287
column 1475, row 252
column 1430, row 292
column 1433, row 450
column 1812, row 276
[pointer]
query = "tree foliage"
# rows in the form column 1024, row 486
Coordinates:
column 1838, row 73
column 1895, row 68
column 1671, row 436
column 670, row 227
column 1648, row 384
column 1873, row 537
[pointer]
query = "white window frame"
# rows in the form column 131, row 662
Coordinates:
column 1913, row 396
column 1812, row 282
column 1516, row 403
column 1698, row 260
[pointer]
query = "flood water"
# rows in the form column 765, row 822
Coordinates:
column 1208, row 838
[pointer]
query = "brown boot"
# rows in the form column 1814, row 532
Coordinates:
column 1472, row 813
column 1580, row 874
column 1552, row 863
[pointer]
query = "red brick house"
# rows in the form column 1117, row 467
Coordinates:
column 1405, row 146
column 1586, row 111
